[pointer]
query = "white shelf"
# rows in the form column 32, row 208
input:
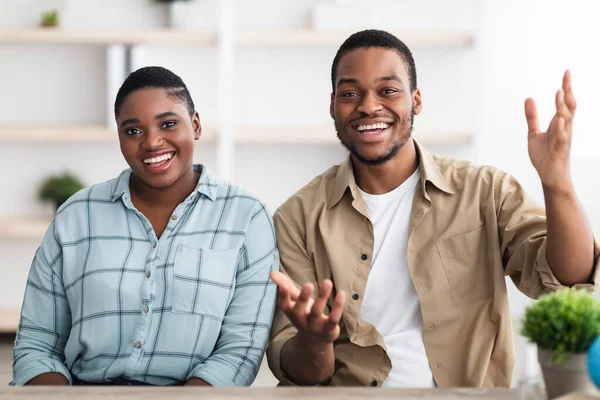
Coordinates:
column 325, row 134
column 62, row 133
column 9, row 320
column 277, row 38
column 106, row 36
column 76, row 134
column 23, row 228
column 308, row 37
column 244, row 134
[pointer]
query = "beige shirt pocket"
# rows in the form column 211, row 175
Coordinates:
column 466, row 263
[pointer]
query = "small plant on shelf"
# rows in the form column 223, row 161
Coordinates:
column 50, row 19
column 57, row 189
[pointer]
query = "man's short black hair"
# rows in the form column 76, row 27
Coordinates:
column 156, row 78
column 379, row 39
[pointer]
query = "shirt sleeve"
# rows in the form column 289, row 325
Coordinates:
column 244, row 334
column 522, row 230
column 45, row 316
column 299, row 266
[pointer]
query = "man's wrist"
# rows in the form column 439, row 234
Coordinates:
column 312, row 344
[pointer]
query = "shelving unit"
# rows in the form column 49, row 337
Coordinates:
column 279, row 38
column 308, row 37
column 107, row 36
column 9, row 320
column 249, row 134
column 23, row 228
column 74, row 134
column 125, row 50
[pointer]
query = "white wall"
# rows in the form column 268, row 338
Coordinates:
column 522, row 49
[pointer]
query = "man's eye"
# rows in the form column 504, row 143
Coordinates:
column 168, row 124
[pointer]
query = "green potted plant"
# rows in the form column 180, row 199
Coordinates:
column 57, row 189
column 563, row 325
column 176, row 12
column 50, row 19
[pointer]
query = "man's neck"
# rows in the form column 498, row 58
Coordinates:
column 168, row 197
column 380, row 179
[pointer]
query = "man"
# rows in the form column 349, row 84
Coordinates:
column 421, row 244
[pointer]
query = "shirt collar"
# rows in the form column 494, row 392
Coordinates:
column 207, row 184
column 429, row 171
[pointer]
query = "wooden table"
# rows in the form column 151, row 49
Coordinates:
column 181, row 393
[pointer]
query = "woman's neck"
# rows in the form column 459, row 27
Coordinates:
column 167, row 197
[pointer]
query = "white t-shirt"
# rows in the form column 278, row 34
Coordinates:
column 390, row 302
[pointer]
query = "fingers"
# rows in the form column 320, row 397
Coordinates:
column 287, row 294
column 561, row 106
column 335, row 316
column 562, row 138
column 281, row 280
column 304, row 302
column 569, row 96
column 532, row 117
column 304, row 312
column 321, row 300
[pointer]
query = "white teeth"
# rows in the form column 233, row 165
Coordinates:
column 158, row 159
column 381, row 125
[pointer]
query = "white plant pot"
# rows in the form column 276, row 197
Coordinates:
column 176, row 14
column 564, row 379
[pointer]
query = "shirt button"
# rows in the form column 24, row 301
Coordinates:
column 374, row 383
column 439, row 365
column 355, row 296
column 422, row 288
column 174, row 217
column 148, row 273
column 138, row 344
column 363, row 257
column 154, row 245
column 431, row 326
column 146, row 309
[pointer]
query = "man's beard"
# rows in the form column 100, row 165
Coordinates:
column 394, row 148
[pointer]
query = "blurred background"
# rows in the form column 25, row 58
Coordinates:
column 259, row 73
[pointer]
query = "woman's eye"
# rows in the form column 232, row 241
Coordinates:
column 132, row 131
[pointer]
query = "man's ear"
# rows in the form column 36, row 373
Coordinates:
column 331, row 105
column 417, row 101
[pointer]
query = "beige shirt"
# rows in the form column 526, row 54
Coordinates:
column 470, row 227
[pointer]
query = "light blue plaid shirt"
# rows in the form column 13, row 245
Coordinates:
column 106, row 300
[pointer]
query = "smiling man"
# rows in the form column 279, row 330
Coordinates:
column 394, row 262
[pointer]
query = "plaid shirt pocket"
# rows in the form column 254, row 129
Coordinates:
column 203, row 280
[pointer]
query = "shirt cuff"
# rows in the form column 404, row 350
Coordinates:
column 218, row 372
column 549, row 282
column 274, row 358
column 37, row 368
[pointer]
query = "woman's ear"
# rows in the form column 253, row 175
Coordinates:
column 196, row 125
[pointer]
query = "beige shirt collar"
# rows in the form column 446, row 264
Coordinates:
column 344, row 178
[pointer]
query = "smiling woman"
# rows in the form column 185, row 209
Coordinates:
column 159, row 276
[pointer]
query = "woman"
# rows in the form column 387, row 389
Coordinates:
column 159, row 276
